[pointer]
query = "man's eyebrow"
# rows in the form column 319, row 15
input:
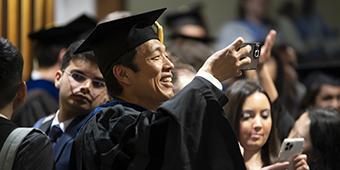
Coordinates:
column 81, row 72
column 158, row 48
column 76, row 70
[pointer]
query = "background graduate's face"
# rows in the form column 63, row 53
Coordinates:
column 255, row 122
column 153, row 81
column 80, row 87
column 328, row 97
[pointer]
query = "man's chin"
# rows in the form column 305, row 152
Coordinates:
column 169, row 94
column 81, row 110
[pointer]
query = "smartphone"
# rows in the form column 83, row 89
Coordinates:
column 254, row 55
column 290, row 148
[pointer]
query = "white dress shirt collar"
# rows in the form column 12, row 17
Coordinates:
column 63, row 125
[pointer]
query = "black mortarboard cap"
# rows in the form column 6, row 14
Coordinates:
column 187, row 16
column 65, row 34
column 120, row 36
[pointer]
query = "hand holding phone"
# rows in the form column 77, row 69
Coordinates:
column 254, row 55
column 289, row 149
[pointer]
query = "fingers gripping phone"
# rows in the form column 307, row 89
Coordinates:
column 254, row 55
column 289, row 149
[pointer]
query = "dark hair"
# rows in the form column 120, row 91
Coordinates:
column 179, row 67
column 280, row 76
column 308, row 7
column 69, row 55
column 46, row 54
column 11, row 65
column 241, row 11
column 313, row 83
column 288, row 9
column 325, row 138
column 237, row 94
column 112, row 84
column 189, row 51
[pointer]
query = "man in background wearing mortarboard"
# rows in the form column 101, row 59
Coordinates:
column 188, row 23
column 49, row 46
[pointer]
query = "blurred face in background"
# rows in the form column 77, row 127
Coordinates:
column 255, row 122
column 328, row 97
column 256, row 8
column 192, row 31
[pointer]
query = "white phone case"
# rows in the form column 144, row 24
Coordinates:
column 290, row 148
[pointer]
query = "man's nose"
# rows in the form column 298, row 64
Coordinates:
column 167, row 63
column 85, row 86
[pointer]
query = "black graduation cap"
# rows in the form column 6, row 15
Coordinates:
column 184, row 17
column 65, row 34
column 120, row 36
column 187, row 16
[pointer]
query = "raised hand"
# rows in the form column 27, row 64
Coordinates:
column 226, row 63
column 267, row 47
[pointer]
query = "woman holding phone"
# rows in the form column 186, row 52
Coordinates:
column 249, row 111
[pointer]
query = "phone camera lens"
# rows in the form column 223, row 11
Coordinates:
column 256, row 53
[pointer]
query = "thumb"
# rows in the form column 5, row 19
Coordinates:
column 235, row 45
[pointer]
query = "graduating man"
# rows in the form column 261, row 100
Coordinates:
column 35, row 151
column 145, row 126
column 81, row 89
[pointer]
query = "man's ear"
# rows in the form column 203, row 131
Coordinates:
column 57, row 78
column 122, row 74
column 21, row 95
column 61, row 55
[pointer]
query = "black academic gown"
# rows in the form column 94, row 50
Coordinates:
column 35, row 151
column 187, row 132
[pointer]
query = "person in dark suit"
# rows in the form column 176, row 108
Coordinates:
column 49, row 45
column 81, row 88
column 145, row 126
column 35, row 151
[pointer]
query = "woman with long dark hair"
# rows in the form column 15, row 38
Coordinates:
column 249, row 111
column 321, row 130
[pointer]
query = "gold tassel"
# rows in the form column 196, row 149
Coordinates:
column 160, row 32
